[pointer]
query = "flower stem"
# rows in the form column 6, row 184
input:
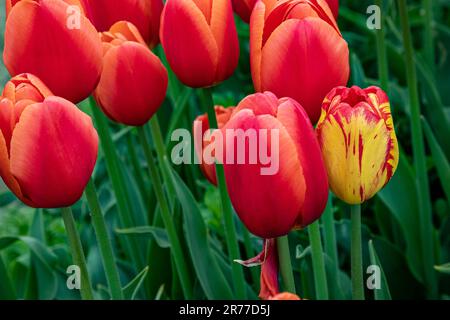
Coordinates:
column 77, row 253
column 104, row 244
column 284, row 258
column 162, row 155
column 320, row 276
column 329, row 235
column 356, row 254
column 423, row 192
column 112, row 166
column 227, row 210
column 428, row 33
column 175, row 244
column 381, row 53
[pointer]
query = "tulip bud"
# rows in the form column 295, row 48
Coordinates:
column 358, row 141
column 48, row 147
column 297, row 51
column 200, row 40
column 144, row 14
column 271, row 202
column 222, row 115
column 244, row 8
column 38, row 40
column 133, row 83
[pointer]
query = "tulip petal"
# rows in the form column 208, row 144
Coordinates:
column 189, row 44
column 355, row 146
column 224, row 31
column 53, row 152
column 6, row 110
column 133, row 84
column 266, row 213
column 304, row 59
column 296, row 121
column 256, row 39
column 67, row 60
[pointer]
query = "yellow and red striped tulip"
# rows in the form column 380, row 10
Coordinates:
column 272, row 205
column 48, row 147
column 134, row 82
column 144, row 14
column 297, row 51
column 200, row 40
column 222, row 115
column 37, row 40
column 359, row 146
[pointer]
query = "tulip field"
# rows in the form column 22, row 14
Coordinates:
column 225, row 150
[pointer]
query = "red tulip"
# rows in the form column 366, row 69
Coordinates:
column 144, row 14
column 222, row 115
column 244, row 8
column 133, row 83
column 271, row 204
column 37, row 40
column 297, row 50
column 48, row 147
column 200, row 40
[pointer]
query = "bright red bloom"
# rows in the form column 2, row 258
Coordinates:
column 48, row 147
column 200, row 40
column 297, row 51
column 144, row 14
column 296, row 194
column 222, row 115
column 38, row 40
column 134, row 82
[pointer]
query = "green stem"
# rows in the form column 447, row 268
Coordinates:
column 77, row 253
column 227, row 210
column 381, row 53
column 104, row 243
column 284, row 258
column 112, row 166
column 175, row 244
column 356, row 254
column 160, row 148
column 329, row 235
column 423, row 192
column 428, row 33
column 250, row 252
column 134, row 160
column 320, row 276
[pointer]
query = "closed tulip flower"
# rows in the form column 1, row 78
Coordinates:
column 270, row 204
column 358, row 141
column 144, row 14
column 200, row 40
column 222, row 115
column 133, row 83
column 38, row 40
column 244, row 8
column 297, row 51
column 48, row 147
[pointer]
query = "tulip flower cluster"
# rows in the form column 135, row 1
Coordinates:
column 299, row 66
